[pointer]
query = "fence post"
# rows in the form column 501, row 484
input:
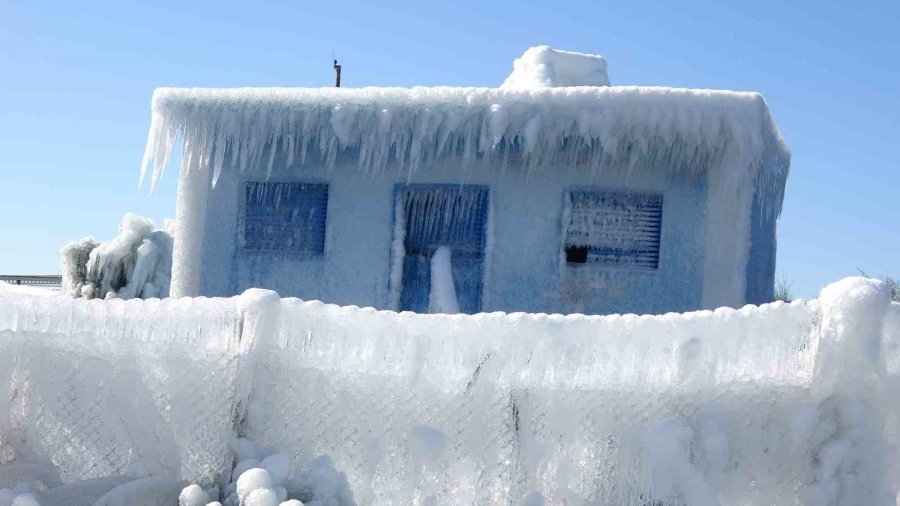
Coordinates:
column 850, row 349
column 849, row 384
column 260, row 319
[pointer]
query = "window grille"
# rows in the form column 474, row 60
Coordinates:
column 614, row 228
column 285, row 217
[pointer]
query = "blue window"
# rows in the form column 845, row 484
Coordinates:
column 614, row 228
column 434, row 216
column 285, row 217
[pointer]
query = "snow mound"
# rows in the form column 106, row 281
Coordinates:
column 544, row 67
column 136, row 263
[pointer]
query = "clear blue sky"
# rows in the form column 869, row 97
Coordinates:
column 76, row 80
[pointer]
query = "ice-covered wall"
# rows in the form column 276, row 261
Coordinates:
column 523, row 267
column 778, row 404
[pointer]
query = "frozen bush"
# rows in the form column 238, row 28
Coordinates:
column 136, row 263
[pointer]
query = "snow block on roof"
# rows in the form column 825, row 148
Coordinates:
column 543, row 67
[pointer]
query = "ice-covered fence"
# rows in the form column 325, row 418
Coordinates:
column 99, row 387
column 780, row 404
column 491, row 408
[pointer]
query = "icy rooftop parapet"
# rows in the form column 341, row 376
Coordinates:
column 543, row 67
column 408, row 129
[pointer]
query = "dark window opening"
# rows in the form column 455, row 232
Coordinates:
column 576, row 254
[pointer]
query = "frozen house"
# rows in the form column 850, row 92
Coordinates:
column 554, row 192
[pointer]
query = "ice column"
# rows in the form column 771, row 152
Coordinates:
column 187, row 255
column 442, row 298
column 853, row 404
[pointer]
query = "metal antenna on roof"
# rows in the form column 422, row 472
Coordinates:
column 337, row 71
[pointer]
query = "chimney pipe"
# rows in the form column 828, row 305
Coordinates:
column 337, row 74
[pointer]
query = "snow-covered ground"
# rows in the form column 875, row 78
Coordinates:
column 778, row 404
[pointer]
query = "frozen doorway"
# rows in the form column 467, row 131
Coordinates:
column 426, row 218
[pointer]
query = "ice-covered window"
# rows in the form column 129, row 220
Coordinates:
column 614, row 228
column 285, row 217
column 435, row 216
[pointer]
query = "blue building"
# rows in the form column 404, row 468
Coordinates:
column 554, row 192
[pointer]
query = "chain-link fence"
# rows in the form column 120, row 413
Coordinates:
column 98, row 388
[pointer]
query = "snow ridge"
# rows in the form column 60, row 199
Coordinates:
column 598, row 128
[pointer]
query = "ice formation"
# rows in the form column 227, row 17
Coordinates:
column 407, row 129
column 137, row 262
column 776, row 404
column 545, row 67
column 261, row 479
column 442, row 298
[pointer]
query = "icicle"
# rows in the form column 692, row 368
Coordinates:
column 684, row 131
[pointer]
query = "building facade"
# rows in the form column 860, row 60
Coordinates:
column 591, row 199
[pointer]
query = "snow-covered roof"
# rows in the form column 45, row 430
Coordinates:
column 595, row 127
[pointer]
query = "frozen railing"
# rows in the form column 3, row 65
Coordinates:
column 40, row 280
column 778, row 404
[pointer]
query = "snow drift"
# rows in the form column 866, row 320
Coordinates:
column 135, row 263
column 776, row 404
